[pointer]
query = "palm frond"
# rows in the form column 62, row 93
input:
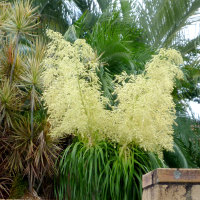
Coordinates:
column 190, row 46
column 162, row 20
column 186, row 145
column 103, row 4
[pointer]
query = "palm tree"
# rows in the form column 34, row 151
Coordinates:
column 163, row 21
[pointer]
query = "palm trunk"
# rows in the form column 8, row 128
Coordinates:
column 15, row 57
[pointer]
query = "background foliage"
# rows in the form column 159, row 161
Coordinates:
column 124, row 34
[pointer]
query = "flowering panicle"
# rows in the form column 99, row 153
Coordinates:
column 145, row 112
column 72, row 89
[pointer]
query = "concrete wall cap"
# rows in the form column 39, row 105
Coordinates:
column 172, row 175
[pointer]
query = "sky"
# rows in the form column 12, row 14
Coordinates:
column 194, row 109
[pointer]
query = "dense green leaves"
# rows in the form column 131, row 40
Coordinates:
column 103, row 171
column 186, row 144
column 118, row 43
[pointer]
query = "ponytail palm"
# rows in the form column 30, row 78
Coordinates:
column 111, row 154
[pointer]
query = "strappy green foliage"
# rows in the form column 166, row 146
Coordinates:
column 103, row 171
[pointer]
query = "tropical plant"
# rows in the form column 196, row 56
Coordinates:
column 89, row 118
column 33, row 156
column 10, row 98
column 27, row 149
column 83, row 115
column 33, row 151
column 107, row 148
column 32, row 76
column 101, row 172
column 22, row 20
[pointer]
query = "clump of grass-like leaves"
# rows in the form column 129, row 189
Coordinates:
column 101, row 171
